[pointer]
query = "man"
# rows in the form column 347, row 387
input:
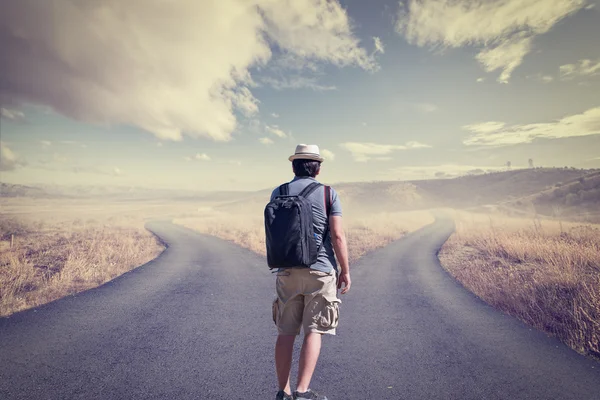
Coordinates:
column 307, row 297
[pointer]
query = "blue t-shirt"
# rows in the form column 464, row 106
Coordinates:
column 326, row 258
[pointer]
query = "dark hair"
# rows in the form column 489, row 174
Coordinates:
column 306, row 167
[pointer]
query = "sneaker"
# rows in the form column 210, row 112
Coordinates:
column 281, row 395
column 309, row 395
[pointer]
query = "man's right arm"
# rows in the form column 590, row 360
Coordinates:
column 338, row 239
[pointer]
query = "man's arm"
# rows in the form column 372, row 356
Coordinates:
column 338, row 239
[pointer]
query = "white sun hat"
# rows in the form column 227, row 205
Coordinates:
column 307, row 152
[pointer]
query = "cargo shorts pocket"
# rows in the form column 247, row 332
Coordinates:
column 320, row 274
column 275, row 310
column 329, row 316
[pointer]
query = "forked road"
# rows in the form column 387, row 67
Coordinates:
column 196, row 324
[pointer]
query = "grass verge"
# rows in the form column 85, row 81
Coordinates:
column 47, row 262
column 546, row 273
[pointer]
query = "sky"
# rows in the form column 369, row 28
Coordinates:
column 216, row 94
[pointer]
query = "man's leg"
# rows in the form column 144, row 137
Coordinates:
column 308, row 360
column 284, row 348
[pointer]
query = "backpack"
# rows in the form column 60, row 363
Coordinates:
column 289, row 228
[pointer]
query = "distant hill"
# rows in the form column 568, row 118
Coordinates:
column 579, row 197
column 113, row 193
column 569, row 192
column 10, row 190
column 494, row 187
column 463, row 192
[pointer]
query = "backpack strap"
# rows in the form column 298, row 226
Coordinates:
column 327, row 195
column 309, row 189
column 327, row 198
column 284, row 189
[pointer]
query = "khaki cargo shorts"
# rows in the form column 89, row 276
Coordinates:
column 306, row 298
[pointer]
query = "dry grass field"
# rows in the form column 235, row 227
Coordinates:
column 47, row 264
column 544, row 272
column 577, row 200
column 62, row 248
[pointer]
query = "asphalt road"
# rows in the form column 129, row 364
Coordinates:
column 196, row 324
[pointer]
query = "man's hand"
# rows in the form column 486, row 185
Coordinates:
column 344, row 279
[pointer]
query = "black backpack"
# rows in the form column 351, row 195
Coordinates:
column 289, row 228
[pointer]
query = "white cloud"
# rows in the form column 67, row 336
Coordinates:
column 12, row 115
column 59, row 159
column 379, row 48
column 479, row 80
column 46, row 143
column 583, row 68
column 315, row 29
column 547, row 78
column 198, row 157
column 425, row 107
column 202, row 157
column 8, row 159
column 275, row 130
column 542, row 78
column 296, row 82
column 74, row 143
column 328, row 155
column 364, row 151
column 171, row 68
column 506, row 56
column 266, row 140
column 159, row 144
column 244, row 101
column 417, row 145
column 87, row 169
column 292, row 62
column 56, row 161
column 485, row 127
column 498, row 134
column 501, row 30
column 274, row 115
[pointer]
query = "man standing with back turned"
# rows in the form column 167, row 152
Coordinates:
column 307, row 295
